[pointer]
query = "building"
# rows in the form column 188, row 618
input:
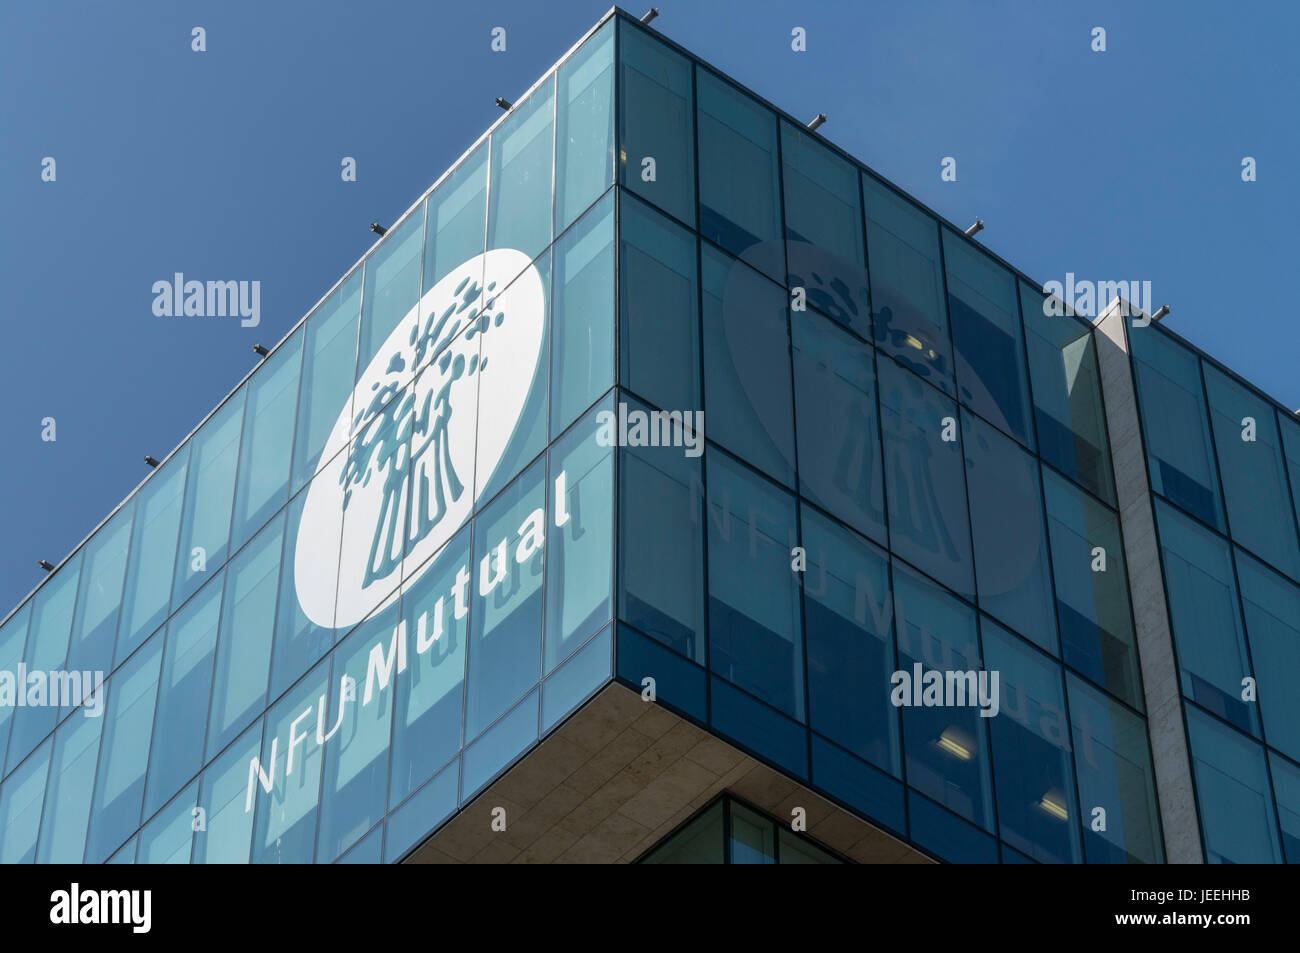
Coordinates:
column 784, row 523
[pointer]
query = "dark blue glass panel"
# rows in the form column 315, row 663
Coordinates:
column 759, row 728
column 1233, row 793
column 1272, row 608
column 857, row 784
column 678, row 683
column 944, row 833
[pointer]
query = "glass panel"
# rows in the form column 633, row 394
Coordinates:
column 21, row 799
column 1177, row 431
column 1272, row 608
column 946, row 746
column 67, row 797
column 1286, row 785
column 177, row 750
column 584, row 142
column 909, row 318
column 13, row 639
column 701, row 841
column 1071, row 423
column 205, row 523
column 661, row 544
column 754, row 626
column 457, row 213
column 837, row 424
column 753, row 837
column 1236, row 804
column 657, row 121
column 153, row 554
column 659, row 311
column 100, row 597
column 329, row 365
column 224, row 797
column 499, row 745
column 355, row 784
column 796, row 850
column 124, row 753
column 125, row 855
column 266, row 451
column 507, row 414
column 576, row 679
column 418, row 817
column 925, row 483
column 740, row 192
column 1291, row 445
column 1011, row 562
column 299, row 643
column 1092, row 600
column 823, row 230
column 247, row 634
column 430, row 698
column 985, row 313
column 1115, row 774
column 169, row 837
column 47, row 650
column 284, row 831
column 747, row 389
column 583, row 359
column 1205, row 617
column 848, row 612
column 580, row 534
column 519, row 212
column 1254, row 474
column 505, row 630
column 1037, row 812
column 392, row 285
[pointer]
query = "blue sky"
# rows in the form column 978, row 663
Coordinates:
column 225, row 165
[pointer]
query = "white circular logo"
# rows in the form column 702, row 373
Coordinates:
column 398, row 474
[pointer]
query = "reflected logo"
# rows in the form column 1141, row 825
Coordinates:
column 409, row 451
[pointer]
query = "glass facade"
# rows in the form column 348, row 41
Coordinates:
column 656, row 383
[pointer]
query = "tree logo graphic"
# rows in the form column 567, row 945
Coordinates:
column 421, row 433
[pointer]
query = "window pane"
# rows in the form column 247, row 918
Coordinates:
column 1011, row 561
column 1205, row 617
column 299, row 643
column 909, row 317
column 505, row 631
column 1253, row 471
column 124, row 753
column 414, row 820
column 247, row 634
column 1291, row 444
column 584, row 143
column 169, row 837
column 577, row 678
column 1071, row 423
column 796, row 850
column 699, row 842
column 740, row 201
column 838, row 430
column 657, row 122
column 753, row 837
column 1115, row 774
column 661, row 545
column 266, row 450
column 754, row 626
column 985, row 313
column 457, row 213
column 13, row 640
column 747, row 390
column 177, row 750
column 580, row 535
column 100, row 597
column 583, row 360
column 223, row 796
column 519, row 214
column 947, row 750
column 823, row 230
column 153, row 554
column 1092, row 598
column 499, row 745
column 205, row 522
column 67, row 797
column 924, row 479
column 329, row 364
column 47, row 649
column 1272, row 608
column 1236, row 804
column 1031, row 751
column 1176, row 428
column 429, row 698
column 849, row 611
column 21, row 800
column 392, row 285
column 659, row 312
column 1286, row 785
